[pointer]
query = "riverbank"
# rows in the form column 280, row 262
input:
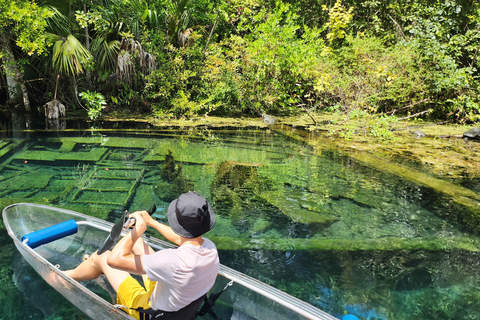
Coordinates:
column 443, row 152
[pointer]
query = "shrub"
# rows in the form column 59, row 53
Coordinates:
column 267, row 70
column 95, row 103
column 367, row 75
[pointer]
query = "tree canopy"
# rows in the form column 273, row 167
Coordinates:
column 184, row 58
column 26, row 23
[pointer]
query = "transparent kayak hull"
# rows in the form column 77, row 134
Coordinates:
column 247, row 298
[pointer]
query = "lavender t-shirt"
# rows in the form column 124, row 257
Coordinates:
column 183, row 274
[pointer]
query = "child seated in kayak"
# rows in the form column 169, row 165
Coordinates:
column 173, row 278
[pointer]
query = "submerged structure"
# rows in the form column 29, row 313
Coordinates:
column 346, row 233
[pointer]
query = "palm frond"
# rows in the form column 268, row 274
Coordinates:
column 177, row 18
column 58, row 23
column 69, row 56
column 105, row 53
column 138, row 6
column 151, row 18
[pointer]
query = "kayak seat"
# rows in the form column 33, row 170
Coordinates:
column 188, row 312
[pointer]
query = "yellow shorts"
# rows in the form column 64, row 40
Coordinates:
column 132, row 294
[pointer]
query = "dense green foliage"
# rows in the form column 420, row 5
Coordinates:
column 181, row 58
column 25, row 23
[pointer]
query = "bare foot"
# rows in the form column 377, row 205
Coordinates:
column 54, row 279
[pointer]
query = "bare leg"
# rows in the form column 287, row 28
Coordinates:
column 95, row 266
column 87, row 270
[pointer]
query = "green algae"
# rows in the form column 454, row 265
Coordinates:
column 93, row 155
column 67, row 145
column 109, row 142
column 468, row 199
column 121, row 156
column 7, row 146
column 193, row 152
column 101, row 198
column 287, row 200
column 109, row 185
column 23, row 182
column 120, row 173
column 173, row 182
column 338, row 244
column 99, row 188
column 303, row 214
column 9, row 175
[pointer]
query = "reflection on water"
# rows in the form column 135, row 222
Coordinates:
column 325, row 228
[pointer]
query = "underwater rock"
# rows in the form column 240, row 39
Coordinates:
column 236, row 175
column 298, row 210
column 268, row 119
column 170, row 170
column 419, row 134
column 472, row 134
column 235, row 194
column 170, row 191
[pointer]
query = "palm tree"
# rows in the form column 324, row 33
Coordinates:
column 69, row 58
column 110, row 52
column 177, row 20
column 130, row 17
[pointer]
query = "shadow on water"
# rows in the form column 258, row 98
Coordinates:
column 339, row 234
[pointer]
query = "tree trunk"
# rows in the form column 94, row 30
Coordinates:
column 19, row 80
column 87, row 46
column 13, row 90
column 15, row 86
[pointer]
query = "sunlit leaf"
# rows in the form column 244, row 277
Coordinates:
column 70, row 56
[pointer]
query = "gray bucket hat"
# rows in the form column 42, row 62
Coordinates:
column 190, row 215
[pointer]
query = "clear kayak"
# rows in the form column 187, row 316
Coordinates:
column 247, row 298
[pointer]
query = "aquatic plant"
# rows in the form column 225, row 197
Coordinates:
column 233, row 184
column 174, row 183
column 121, row 156
column 95, row 103
column 170, row 170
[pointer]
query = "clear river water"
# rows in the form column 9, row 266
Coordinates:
column 319, row 224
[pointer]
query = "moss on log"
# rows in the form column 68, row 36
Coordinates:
column 295, row 211
column 380, row 244
column 467, row 199
column 94, row 155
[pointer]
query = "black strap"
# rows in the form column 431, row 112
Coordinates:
column 208, row 304
column 148, row 314
column 188, row 312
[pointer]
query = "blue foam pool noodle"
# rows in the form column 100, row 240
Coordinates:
column 58, row 231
